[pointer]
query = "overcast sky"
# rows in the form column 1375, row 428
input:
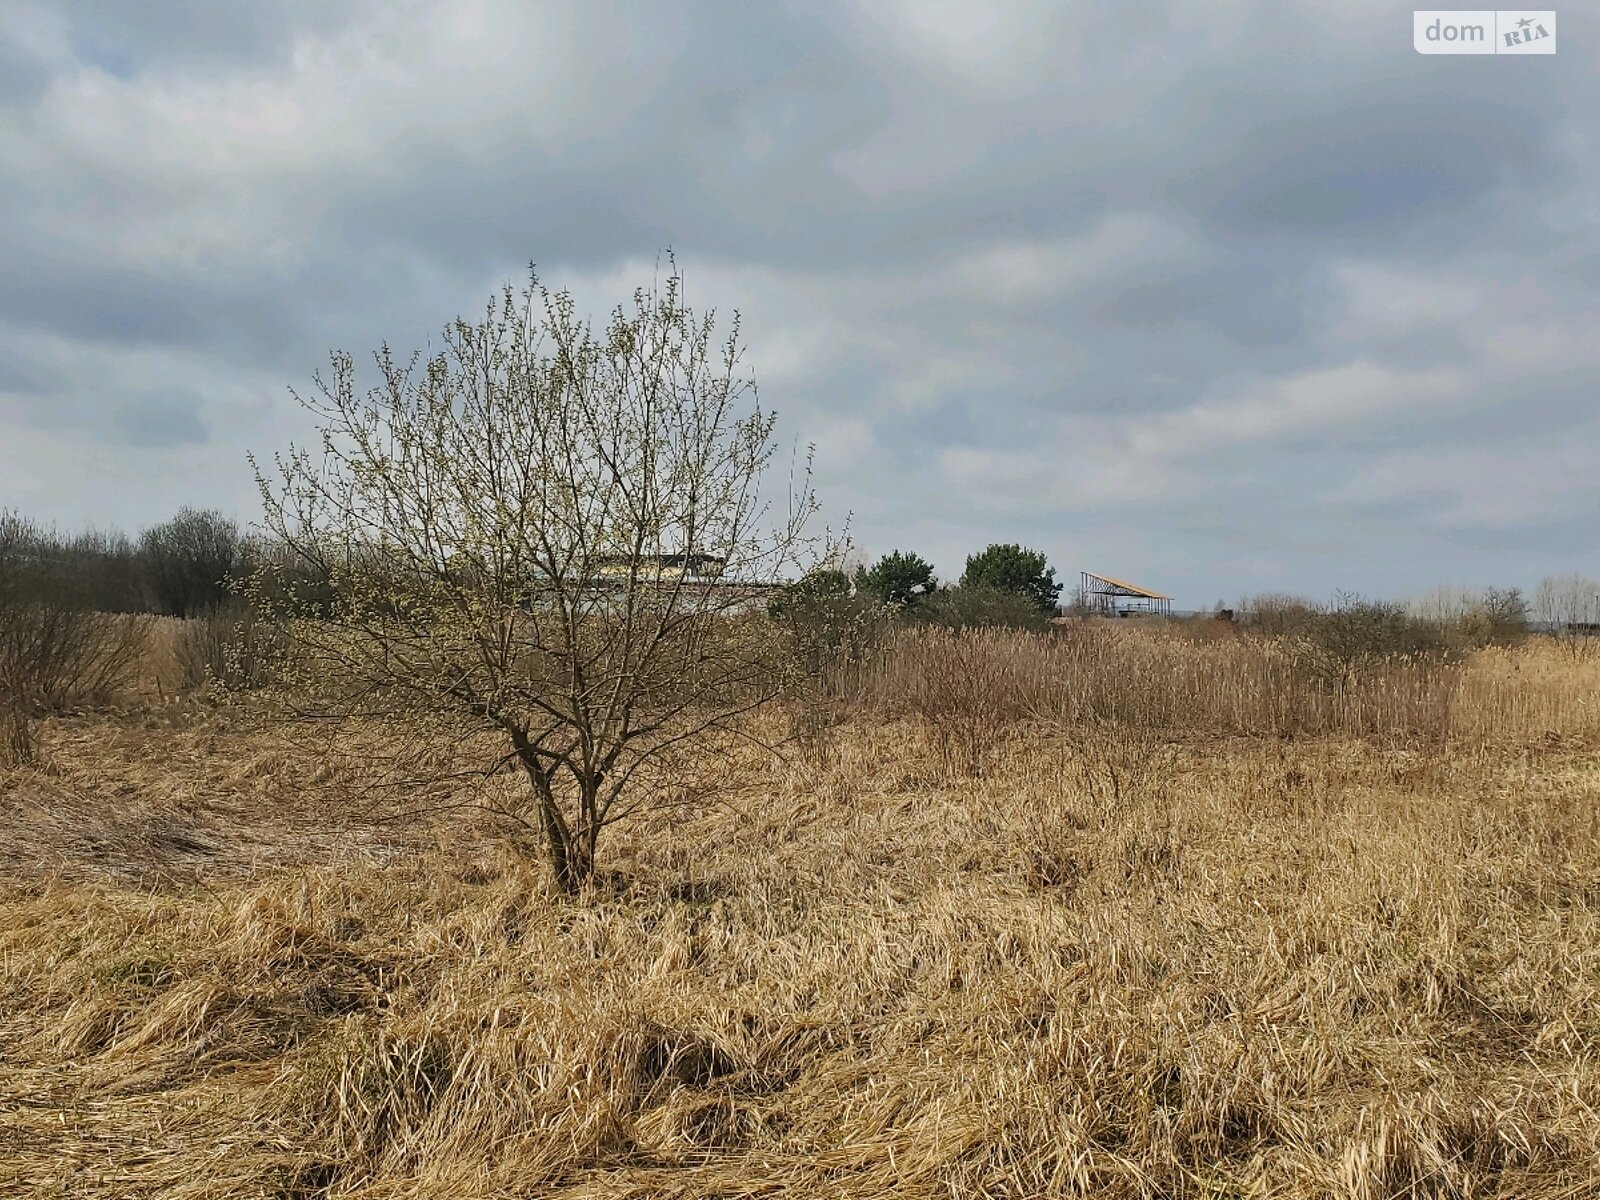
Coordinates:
column 1217, row 295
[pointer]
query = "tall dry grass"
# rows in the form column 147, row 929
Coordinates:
column 1118, row 961
column 1220, row 685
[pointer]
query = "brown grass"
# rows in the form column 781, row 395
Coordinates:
column 1128, row 938
column 1208, row 680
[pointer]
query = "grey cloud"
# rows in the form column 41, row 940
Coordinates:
column 124, row 38
column 162, row 421
column 1061, row 275
column 22, row 75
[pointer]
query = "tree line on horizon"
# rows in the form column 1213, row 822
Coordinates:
column 1003, row 584
column 189, row 565
column 181, row 567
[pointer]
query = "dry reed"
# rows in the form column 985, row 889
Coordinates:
column 1097, row 672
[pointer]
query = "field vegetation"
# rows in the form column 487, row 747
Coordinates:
column 1125, row 909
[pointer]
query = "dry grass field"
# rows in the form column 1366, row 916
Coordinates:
column 1113, row 916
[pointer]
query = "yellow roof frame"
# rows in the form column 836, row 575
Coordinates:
column 1128, row 587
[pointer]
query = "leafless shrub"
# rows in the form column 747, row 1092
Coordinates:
column 232, row 648
column 1568, row 607
column 831, row 628
column 973, row 606
column 1355, row 639
column 1278, row 614
column 1473, row 618
column 55, row 652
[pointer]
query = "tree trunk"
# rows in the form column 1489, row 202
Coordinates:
column 559, row 847
column 569, row 848
column 579, row 865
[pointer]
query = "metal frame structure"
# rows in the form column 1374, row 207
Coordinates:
column 1118, row 598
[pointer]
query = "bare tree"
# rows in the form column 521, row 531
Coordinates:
column 1568, row 606
column 1474, row 617
column 547, row 533
column 189, row 561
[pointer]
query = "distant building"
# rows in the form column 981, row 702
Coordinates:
column 697, row 579
column 662, row 566
column 1118, row 598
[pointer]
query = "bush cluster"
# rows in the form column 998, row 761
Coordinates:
column 76, row 609
column 179, row 568
column 58, row 650
column 1354, row 635
column 835, row 619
